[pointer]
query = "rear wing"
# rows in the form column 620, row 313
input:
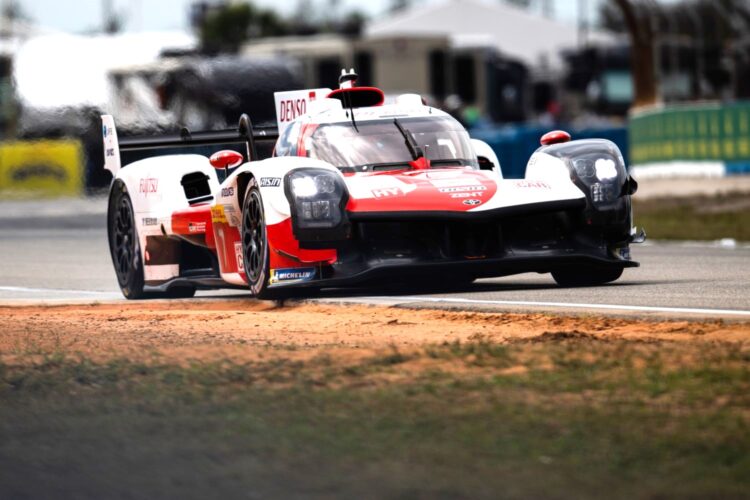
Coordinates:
column 243, row 134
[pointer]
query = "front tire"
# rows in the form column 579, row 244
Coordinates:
column 123, row 243
column 255, row 251
column 586, row 276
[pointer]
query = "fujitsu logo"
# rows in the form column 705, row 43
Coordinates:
column 148, row 186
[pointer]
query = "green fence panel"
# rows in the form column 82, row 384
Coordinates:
column 705, row 132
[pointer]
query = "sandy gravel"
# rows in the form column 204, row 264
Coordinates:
column 246, row 330
column 681, row 187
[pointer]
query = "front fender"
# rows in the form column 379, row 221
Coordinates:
column 269, row 175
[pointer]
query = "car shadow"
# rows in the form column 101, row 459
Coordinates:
column 410, row 289
column 395, row 290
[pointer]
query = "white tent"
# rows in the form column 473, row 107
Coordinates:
column 515, row 32
column 70, row 70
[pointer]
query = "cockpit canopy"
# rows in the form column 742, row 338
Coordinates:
column 374, row 145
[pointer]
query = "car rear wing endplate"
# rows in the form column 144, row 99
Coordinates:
column 245, row 133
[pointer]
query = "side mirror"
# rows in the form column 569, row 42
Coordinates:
column 487, row 158
column 555, row 137
column 227, row 158
column 630, row 187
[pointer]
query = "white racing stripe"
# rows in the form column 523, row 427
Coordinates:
column 23, row 289
column 609, row 307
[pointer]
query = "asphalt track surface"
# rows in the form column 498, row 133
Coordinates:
column 60, row 254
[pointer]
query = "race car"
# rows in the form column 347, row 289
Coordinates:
column 347, row 190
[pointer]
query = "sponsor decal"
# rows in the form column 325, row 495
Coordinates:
column 533, row 184
column 44, row 167
column 232, row 216
column 467, row 195
column 238, row 255
column 39, row 171
column 148, row 186
column 289, row 109
column 387, row 192
column 197, row 227
column 458, row 189
column 293, row 104
column 472, row 202
column 270, row 181
column 295, row 274
column 217, row 215
column 459, row 182
column 109, row 152
column 227, row 191
column 149, row 221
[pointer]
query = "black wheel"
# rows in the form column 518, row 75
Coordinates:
column 255, row 243
column 586, row 275
column 126, row 251
column 123, row 243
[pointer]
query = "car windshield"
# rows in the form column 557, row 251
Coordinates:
column 379, row 145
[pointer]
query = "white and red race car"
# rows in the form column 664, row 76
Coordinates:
column 356, row 191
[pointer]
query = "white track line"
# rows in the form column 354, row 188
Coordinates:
column 450, row 300
column 24, row 289
column 611, row 307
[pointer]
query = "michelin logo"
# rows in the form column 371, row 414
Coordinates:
column 292, row 275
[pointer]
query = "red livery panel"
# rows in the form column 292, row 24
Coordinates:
column 422, row 190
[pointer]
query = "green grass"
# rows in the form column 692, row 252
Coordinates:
column 583, row 419
column 696, row 218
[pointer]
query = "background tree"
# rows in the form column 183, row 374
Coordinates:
column 520, row 3
column 225, row 27
column 711, row 31
column 112, row 20
column 398, row 5
column 638, row 22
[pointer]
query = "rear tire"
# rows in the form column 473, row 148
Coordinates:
column 586, row 276
column 125, row 249
column 123, row 243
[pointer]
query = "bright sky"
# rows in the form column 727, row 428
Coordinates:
column 146, row 15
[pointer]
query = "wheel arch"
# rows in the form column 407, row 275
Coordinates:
column 270, row 175
column 117, row 184
column 243, row 179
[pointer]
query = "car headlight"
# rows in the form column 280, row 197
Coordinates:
column 600, row 173
column 317, row 198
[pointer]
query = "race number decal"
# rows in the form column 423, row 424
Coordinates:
column 238, row 254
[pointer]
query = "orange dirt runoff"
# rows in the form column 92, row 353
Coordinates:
column 247, row 330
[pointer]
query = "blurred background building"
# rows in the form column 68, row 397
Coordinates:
column 667, row 80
